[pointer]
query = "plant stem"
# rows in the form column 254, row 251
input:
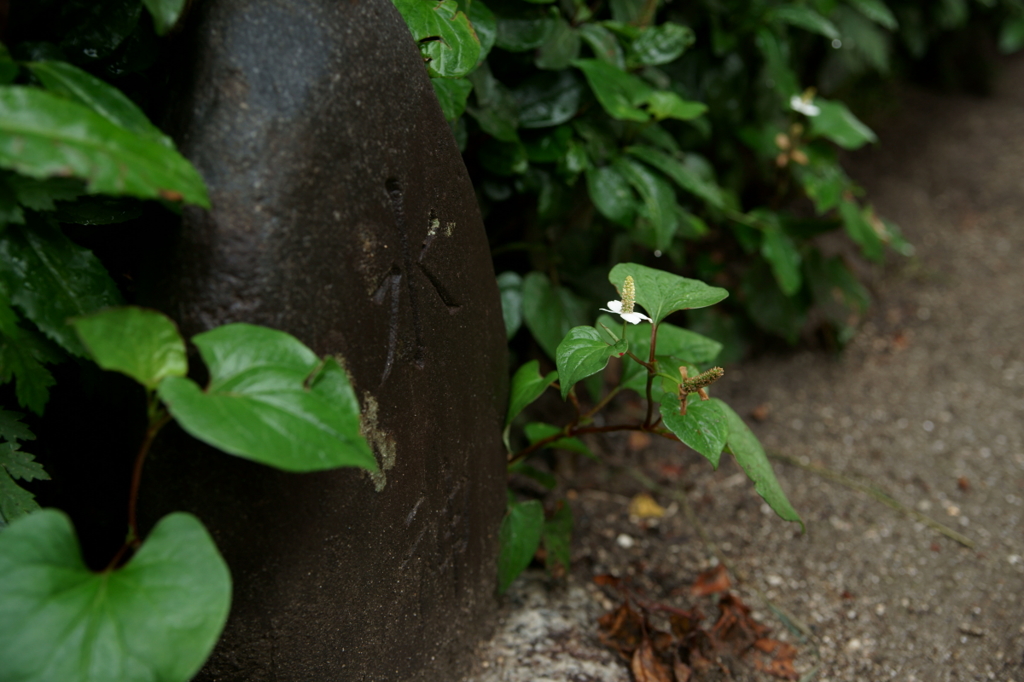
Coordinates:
column 650, row 376
column 604, row 401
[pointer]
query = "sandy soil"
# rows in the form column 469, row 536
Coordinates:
column 927, row 403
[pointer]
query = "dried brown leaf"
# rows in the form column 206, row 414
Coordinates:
column 713, row 580
column 646, row 666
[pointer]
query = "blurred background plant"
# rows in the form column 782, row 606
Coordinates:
column 705, row 138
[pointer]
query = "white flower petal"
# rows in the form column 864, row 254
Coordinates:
column 634, row 318
column 616, row 306
column 797, row 103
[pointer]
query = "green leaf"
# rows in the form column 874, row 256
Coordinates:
column 452, row 94
column 548, row 99
column 271, row 400
column 8, row 67
column 582, row 353
column 771, row 309
column 749, row 454
column 15, row 502
column 495, row 108
column 665, row 104
column 522, row 34
column 44, row 135
column 557, row 538
column 510, row 286
column 858, row 225
column 484, row 23
column 550, row 311
column 781, row 253
column 11, row 428
column 143, row 344
column 155, row 619
column 536, row 431
column 52, row 279
column 165, row 13
column 823, row 180
column 806, row 18
column 79, row 86
column 549, row 145
column 688, row 176
column 1011, row 35
column 838, row 124
column 612, row 194
column 527, row 386
column 21, row 464
column 661, row 44
column 620, row 94
column 659, row 207
column 604, row 44
column 560, row 49
column 519, row 538
column 447, row 41
column 704, row 427
column 41, row 195
column 102, row 30
column 542, row 477
column 22, row 355
column 662, row 293
column 876, row 11
column 776, row 56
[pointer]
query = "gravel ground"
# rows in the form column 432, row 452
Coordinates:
column 927, row 403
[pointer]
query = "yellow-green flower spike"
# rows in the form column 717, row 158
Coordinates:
column 628, row 294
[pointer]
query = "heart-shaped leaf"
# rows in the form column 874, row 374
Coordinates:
column 272, row 401
column 155, row 619
column 144, row 344
column 704, row 427
column 582, row 353
column 662, row 293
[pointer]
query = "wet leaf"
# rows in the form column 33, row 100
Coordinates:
column 621, row 94
column 690, row 177
column 155, row 350
column 452, row 94
column 662, row 293
column 165, row 13
column 270, row 399
column 446, row 39
column 704, row 427
column 749, row 454
column 806, row 18
column 548, row 99
column 44, row 135
column 561, row 47
column 582, row 353
column 604, row 44
column 837, row 123
column 519, row 537
column 661, row 44
column 510, row 286
column 156, row 619
column 522, row 34
column 612, row 194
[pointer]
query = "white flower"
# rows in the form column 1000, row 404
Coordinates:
column 616, row 307
column 798, row 103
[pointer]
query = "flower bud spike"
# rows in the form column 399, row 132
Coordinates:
column 628, row 295
column 698, row 383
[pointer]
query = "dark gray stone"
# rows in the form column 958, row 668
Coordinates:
column 343, row 214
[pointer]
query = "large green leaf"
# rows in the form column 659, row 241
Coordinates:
column 271, row 400
column 582, row 353
column 550, row 311
column 52, row 279
column 557, row 538
column 661, row 44
column 837, row 123
column 876, row 11
column 143, row 344
column 806, row 18
column 447, row 41
column 612, row 194
column 495, row 109
column 561, row 47
column 704, row 427
column 519, row 538
column 519, row 34
column 510, row 286
column 662, row 293
column 659, row 203
column 80, row 86
column 664, row 104
column 688, row 177
column 604, row 44
column 165, row 13
column 621, row 94
column 688, row 346
column 527, row 385
column 548, row 99
column 155, row 619
column 781, row 253
column 484, row 23
column 749, row 454
column 44, row 135
column 452, row 94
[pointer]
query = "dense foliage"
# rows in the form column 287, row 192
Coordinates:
column 694, row 136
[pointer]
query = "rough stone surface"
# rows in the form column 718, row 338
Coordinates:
column 342, row 213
